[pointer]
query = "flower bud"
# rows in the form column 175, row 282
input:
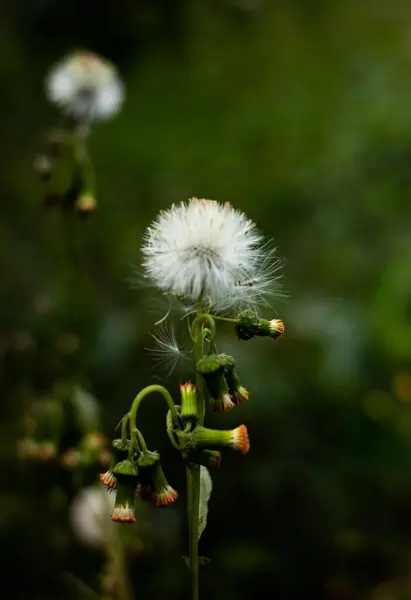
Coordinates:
column 86, row 204
column 126, row 474
column 212, row 370
column 207, row 458
column 154, row 486
column 189, row 408
column 276, row 328
column 120, row 451
column 204, row 438
column 250, row 325
column 238, row 392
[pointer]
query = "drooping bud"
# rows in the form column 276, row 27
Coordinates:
column 250, row 325
column 109, row 479
column 212, row 370
column 126, row 474
column 120, row 452
column 207, row 458
column 204, row 438
column 189, row 407
column 153, row 485
column 86, row 204
column 237, row 391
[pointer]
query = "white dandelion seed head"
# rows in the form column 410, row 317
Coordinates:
column 90, row 515
column 85, row 86
column 205, row 249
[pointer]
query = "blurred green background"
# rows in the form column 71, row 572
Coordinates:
column 299, row 113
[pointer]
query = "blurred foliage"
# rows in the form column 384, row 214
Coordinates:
column 299, row 113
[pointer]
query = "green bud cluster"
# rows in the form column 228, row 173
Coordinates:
column 66, row 172
column 223, row 385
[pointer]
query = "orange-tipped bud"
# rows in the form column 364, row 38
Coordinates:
column 222, row 403
column 86, row 204
column 189, row 408
column 276, row 328
column 123, row 513
column 240, row 439
column 154, row 486
column 237, row 439
column 212, row 368
column 109, row 479
column 126, row 473
column 249, row 325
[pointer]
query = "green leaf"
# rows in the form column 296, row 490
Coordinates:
column 206, row 485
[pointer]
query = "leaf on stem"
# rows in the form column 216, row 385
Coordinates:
column 206, row 485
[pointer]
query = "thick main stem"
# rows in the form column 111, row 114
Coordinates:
column 193, row 474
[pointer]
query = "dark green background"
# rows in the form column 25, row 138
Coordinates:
column 298, row 113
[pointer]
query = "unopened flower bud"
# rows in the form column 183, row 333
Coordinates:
column 238, row 392
column 189, row 407
column 126, row 474
column 86, row 204
column 250, row 325
column 120, row 452
column 154, row 486
column 204, row 438
column 276, row 328
column 212, row 370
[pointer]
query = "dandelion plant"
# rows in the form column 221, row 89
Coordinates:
column 215, row 261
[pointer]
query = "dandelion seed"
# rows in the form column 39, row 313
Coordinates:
column 167, row 351
column 210, row 250
column 85, row 86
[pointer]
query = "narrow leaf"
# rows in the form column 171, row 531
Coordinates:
column 206, row 485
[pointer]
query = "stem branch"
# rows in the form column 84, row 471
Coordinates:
column 132, row 415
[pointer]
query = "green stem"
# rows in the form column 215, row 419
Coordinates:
column 193, row 474
column 84, row 165
column 117, row 558
column 132, row 415
column 124, row 424
column 225, row 319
